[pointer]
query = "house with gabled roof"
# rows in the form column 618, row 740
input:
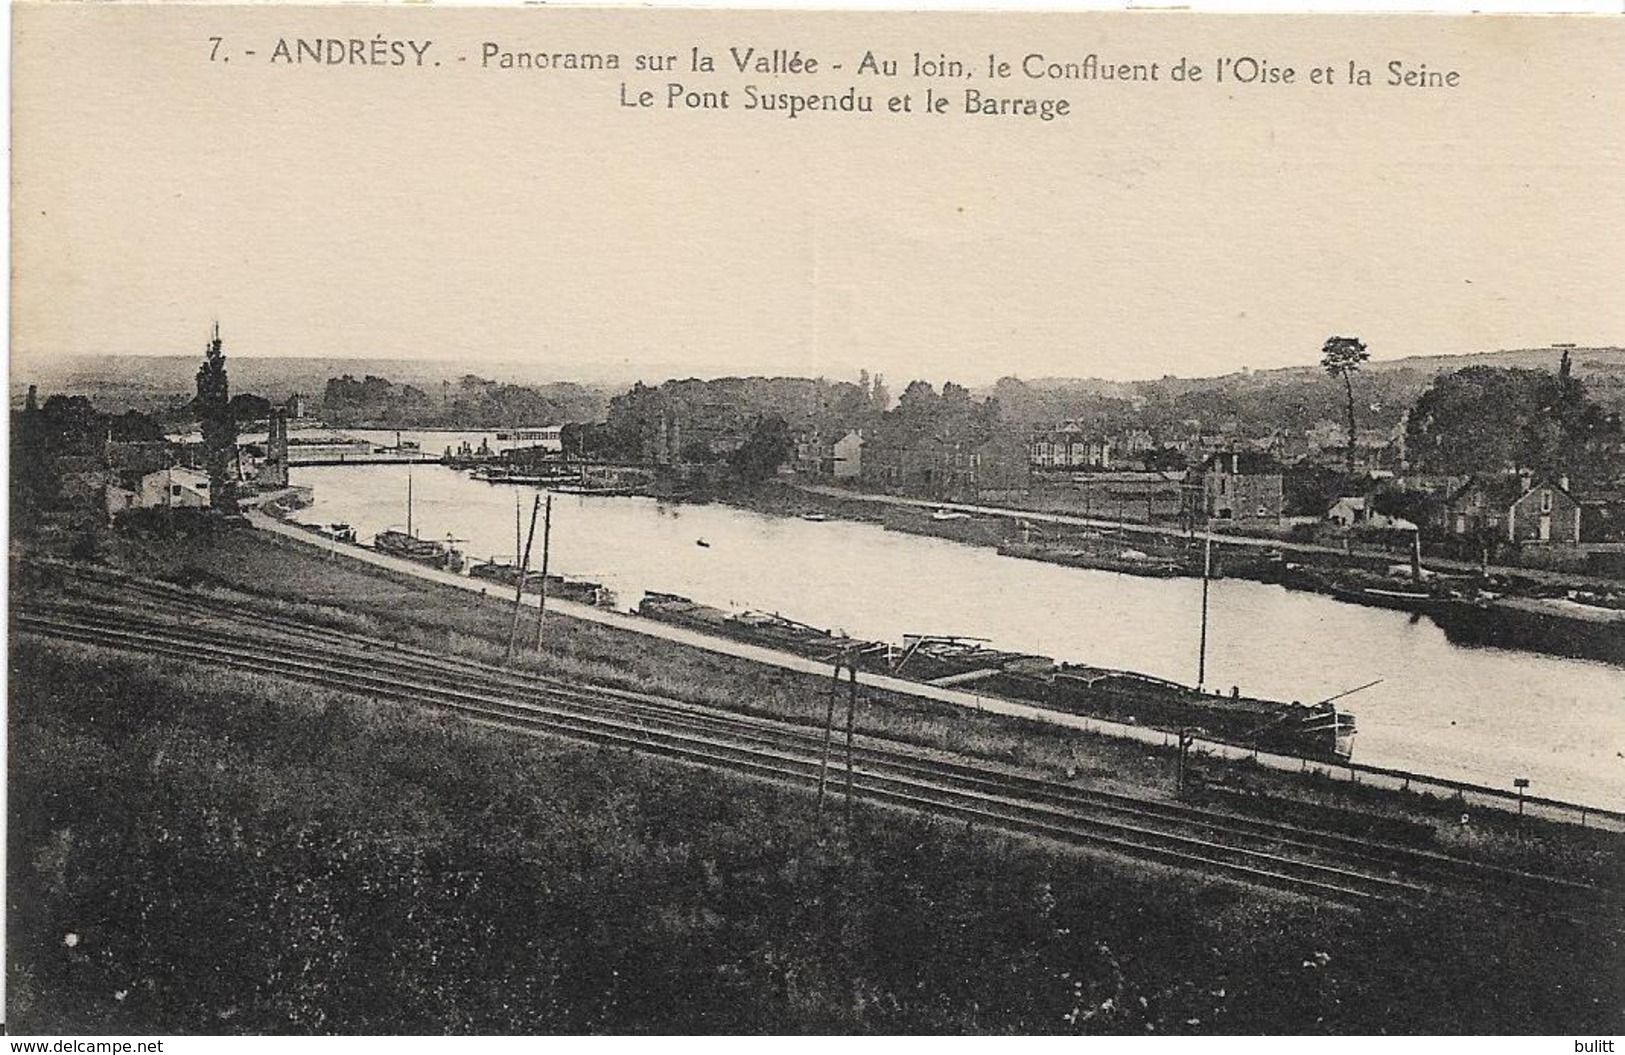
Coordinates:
column 1517, row 507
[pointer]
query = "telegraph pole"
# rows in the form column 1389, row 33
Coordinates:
column 519, row 580
column 1201, row 658
column 851, row 707
column 547, row 537
column 829, row 733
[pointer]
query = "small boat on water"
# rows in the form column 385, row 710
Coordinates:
column 816, row 518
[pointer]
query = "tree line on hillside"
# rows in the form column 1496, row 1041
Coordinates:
column 1476, row 420
column 471, row 402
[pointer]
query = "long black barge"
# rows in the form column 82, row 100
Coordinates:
column 1318, row 731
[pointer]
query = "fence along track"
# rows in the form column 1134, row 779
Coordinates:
column 1393, row 779
column 1024, row 792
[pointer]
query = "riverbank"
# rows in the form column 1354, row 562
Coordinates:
column 1438, row 708
column 1474, row 609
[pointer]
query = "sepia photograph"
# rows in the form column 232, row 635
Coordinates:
column 576, row 522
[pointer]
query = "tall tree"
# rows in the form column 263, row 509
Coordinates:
column 919, row 402
column 218, row 426
column 879, row 395
column 1341, row 357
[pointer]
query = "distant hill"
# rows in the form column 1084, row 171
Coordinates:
column 1291, row 398
column 153, row 382
column 156, row 382
column 1587, row 361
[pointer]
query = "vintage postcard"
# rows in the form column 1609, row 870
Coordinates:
column 570, row 521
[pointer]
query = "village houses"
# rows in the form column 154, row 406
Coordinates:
column 1241, row 485
column 1517, row 507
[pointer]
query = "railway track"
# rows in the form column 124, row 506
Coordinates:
column 175, row 624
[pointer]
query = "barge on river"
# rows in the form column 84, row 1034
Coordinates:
column 1558, row 626
column 1317, row 731
column 442, row 555
column 1124, row 560
column 596, row 594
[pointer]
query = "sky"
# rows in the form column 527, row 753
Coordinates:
column 495, row 216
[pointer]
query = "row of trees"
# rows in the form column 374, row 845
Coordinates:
column 472, row 402
column 1480, row 419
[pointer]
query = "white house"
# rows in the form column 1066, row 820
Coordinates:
column 174, row 488
column 1357, row 512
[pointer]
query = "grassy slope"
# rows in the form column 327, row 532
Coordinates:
column 230, row 860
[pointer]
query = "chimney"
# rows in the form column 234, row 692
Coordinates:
column 1563, row 481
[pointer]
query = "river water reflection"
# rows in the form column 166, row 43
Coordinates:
column 1480, row 715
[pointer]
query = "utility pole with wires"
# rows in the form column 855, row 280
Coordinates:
column 519, row 579
column 1201, row 649
column 851, row 709
column 829, row 734
column 845, row 661
column 547, row 537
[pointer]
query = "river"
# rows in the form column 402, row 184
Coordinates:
column 1479, row 715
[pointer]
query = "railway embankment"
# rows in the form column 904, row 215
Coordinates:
column 355, row 588
column 284, row 751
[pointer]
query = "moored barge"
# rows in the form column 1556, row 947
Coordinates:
column 581, row 592
column 1553, row 625
column 1317, row 731
column 442, row 555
